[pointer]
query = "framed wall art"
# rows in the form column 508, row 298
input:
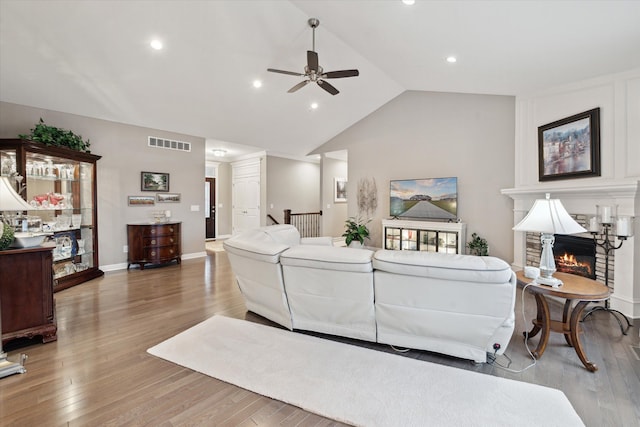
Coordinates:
column 168, row 197
column 141, row 200
column 570, row 148
column 339, row 190
column 154, row 181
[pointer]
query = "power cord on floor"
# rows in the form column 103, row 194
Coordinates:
column 492, row 359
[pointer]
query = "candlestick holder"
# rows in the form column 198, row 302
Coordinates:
column 608, row 247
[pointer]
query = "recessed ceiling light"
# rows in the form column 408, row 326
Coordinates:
column 156, row 44
column 408, row 2
column 257, row 83
column 451, row 59
column 314, row 105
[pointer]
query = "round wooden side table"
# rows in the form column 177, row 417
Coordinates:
column 575, row 288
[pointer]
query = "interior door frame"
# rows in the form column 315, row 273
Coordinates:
column 211, row 223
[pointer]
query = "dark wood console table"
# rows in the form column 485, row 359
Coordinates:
column 575, row 288
column 26, row 294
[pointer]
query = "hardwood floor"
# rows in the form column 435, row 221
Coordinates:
column 98, row 372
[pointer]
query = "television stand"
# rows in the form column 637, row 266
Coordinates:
column 432, row 236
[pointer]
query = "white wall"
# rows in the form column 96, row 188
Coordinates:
column 125, row 154
column 334, row 213
column 431, row 134
column 292, row 184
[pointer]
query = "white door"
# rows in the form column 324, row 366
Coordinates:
column 246, row 204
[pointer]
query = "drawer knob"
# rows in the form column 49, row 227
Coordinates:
column 171, row 240
column 153, row 231
column 171, row 229
column 153, row 253
column 153, row 242
column 171, row 250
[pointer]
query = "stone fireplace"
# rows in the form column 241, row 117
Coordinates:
column 575, row 254
column 580, row 201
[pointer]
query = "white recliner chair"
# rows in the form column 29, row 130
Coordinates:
column 255, row 259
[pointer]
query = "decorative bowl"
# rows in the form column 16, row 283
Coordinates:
column 28, row 240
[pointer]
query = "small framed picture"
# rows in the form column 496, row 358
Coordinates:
column 168, row 197
column 141, row 200
column 339, row 190
column 570, row 147
column 154, row 181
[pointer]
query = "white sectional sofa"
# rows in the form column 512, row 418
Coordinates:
column 459, row 305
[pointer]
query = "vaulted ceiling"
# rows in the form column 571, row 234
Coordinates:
column 93, row 58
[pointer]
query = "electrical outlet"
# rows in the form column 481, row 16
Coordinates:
column 125, row 248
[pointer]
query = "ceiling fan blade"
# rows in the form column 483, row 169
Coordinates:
column 299, row 86
column 329, row 88
column 292, row 73
column 312, row 60
column 340, row 74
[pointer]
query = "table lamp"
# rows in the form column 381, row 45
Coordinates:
column 549, row 217
column 9, row 199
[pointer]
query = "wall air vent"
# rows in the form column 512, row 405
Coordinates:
column 169, row 144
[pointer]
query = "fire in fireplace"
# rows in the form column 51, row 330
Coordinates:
column 575, row 255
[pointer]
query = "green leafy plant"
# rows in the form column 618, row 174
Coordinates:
column 6, row 237
column 478, row 245
column 51, row 135
column 356, row 230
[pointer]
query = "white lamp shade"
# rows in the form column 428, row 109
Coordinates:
column 550, row 217
column 9, row 199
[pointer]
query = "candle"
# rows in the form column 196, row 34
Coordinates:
column 622, row 228
column 605, row 214
column 593, row 224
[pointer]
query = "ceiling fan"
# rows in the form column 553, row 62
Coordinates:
column 313, row 71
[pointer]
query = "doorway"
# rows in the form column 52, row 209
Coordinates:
column 210, row 206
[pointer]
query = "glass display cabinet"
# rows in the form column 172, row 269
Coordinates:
column 60, row 185
column 446, row 237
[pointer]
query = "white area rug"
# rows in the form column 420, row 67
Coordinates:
column 359, row 386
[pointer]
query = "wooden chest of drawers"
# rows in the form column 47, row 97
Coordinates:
column 154, row 243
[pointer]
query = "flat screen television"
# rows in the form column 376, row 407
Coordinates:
column 429, row 198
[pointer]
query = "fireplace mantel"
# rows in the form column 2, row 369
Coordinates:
column 581, row 197
column 601, row 190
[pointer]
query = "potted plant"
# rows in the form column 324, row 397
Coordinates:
column 356, row 230
column 51, row 135
column 478, row 245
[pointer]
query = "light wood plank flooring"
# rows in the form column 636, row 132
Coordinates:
column 98, row 372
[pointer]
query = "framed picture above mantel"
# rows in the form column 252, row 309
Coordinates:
column 570, row 147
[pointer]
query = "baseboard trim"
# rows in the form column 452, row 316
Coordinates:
column 123, row 266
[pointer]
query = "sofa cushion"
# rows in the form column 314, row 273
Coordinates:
column 470, row 268
column 328, row 258
column 255, row 249
column 283, row 233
